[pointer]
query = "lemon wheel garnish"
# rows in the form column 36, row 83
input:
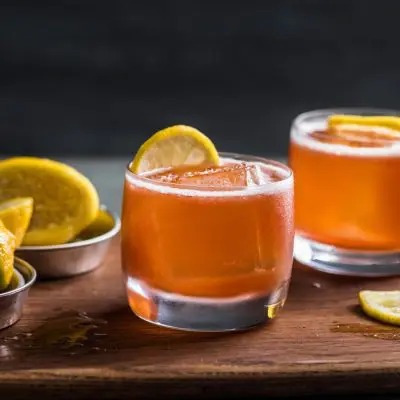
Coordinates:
column 174, row 146
column 64, row 201
column 16, row 215
column 390, row 123
column 383, row 306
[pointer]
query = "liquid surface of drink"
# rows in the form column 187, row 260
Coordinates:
column 209, row 232
column 347, row 186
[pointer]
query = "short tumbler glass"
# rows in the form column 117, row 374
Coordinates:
column 204, row 258
column 347, row 191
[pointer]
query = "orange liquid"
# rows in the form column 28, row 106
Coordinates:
column 205, row 246
column 344, row 199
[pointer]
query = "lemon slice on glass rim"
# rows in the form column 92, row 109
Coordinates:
column 387, row 124
column 381, row 305
column 174, row 146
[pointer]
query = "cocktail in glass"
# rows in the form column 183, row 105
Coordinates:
column 208, row 248
column 347, row 191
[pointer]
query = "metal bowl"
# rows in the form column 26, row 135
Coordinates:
column 13, row 299
column 70, row 259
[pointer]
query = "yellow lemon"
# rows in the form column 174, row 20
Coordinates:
column 7, row 249
column 65, row 201
column 381, row 305
column 390, row 124
column 174, row 146
column 103, row 223
column 16, row 215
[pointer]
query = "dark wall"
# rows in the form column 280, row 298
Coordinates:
column 98, row 77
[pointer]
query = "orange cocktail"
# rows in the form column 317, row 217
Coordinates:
column 347, row 190
column 208, row 247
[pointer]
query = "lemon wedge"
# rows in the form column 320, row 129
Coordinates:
column 381, row 305
column 391, row 124
column 7, row 249
column 64, row 201
column 16, row 215
column 103, row 223
column 174, row 146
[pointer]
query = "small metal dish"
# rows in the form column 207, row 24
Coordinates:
column 70, row 259
column 12, row 300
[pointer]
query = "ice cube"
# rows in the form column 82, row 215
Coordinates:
column 229, row 175
column 256, row 176
column 225, row 176
column 234, row 175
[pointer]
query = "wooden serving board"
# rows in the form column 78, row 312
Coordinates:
column 320, row 343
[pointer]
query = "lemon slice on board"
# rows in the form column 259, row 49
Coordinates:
column 381, row 305
column 16, row 215
column 65, row 201
column 390, row 123
column 7, row 248
column 174, row 146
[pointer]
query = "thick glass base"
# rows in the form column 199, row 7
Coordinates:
column 339, row 261
column 203, row 314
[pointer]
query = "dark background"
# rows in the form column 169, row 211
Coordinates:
column 98, row 77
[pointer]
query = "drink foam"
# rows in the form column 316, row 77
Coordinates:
column 262, row 186
column 302, row 138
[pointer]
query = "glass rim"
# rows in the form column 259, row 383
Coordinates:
column 208, row 190
column 325, row 112
column 306, row 122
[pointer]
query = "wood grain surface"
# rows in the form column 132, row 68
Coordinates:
column 320, row 343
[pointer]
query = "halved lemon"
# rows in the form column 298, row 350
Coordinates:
column 7, row 249
column 381, row 305
column 65, row 201
column 16, row 215
column 174, row 146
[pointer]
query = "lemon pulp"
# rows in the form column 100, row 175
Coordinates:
column 16, row 215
